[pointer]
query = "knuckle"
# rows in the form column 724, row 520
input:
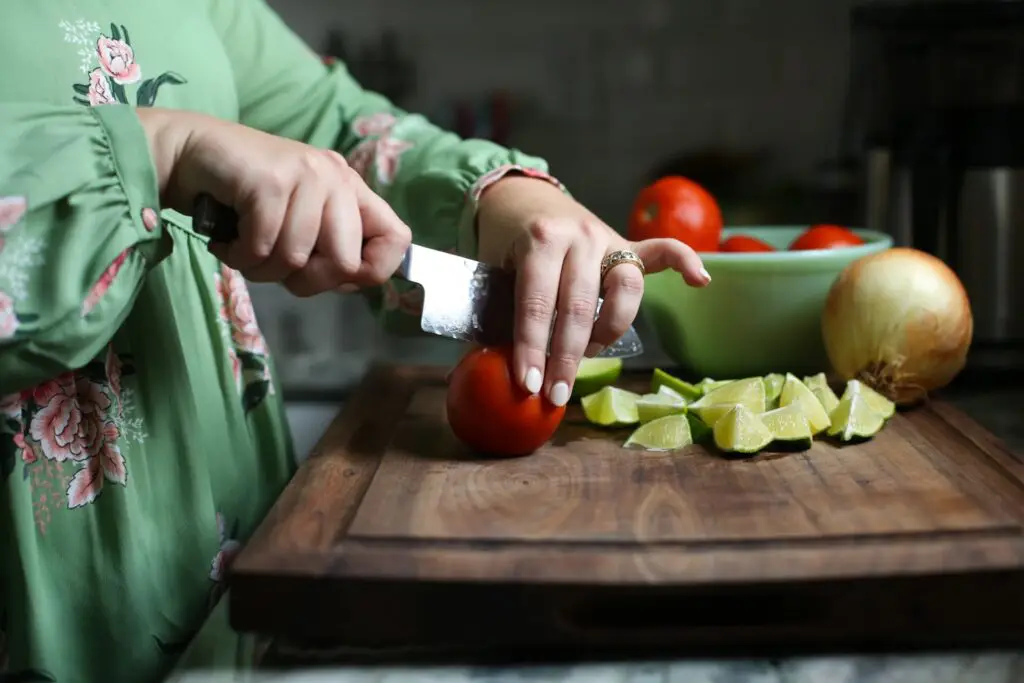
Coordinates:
column 565, row 360
column 261, row 248
column 295, row 260
column 631, row 281
column 543, row 232
column 536, row 308
column 579, row 310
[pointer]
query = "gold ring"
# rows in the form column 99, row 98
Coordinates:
column 618, row 258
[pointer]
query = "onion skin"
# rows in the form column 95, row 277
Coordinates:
column 900, row 321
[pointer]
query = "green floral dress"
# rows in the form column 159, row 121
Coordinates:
column 142, row 436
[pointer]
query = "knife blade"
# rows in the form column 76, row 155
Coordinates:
column 463, row 299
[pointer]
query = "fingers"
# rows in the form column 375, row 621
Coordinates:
column 385, row 237
column 296, row 236
column 665, row 254
column 539, row 259
column 337, row 256
column 623, row 291
column 574, row 319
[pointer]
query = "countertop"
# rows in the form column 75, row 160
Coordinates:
column 999, row 409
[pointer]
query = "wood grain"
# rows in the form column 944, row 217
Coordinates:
column 392, row 516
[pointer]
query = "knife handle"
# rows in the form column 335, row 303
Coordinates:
column 217, row 221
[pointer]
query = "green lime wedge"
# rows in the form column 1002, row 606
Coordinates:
column 741, row 431
column 595, row 373
column 710, row 414
column 660, row 379
column 854, row 418
column 880, row 404
column 653, row 406
column 795, row 392
column 699, row 429
column 788, row 425
column 772, row 388
column 750, row 392
column 818, row 384
column 668, row 433
column 707, row 384
column 611, row 407
column 665, row 390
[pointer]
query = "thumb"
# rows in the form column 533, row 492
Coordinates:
column 671, row 254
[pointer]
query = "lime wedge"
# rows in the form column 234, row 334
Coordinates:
column 652, row 406
column 854, row 418
column 750, row 392
column 741, row 431
column 667, row 433
column 795, row 392
column 710, row 414
column 818, row 384
column 699, row 430
column 665, row 390
column 611, row 406
column 660, row 379
column 788, row 425
column 594, row 373
column 772, row 388
column 707, row 384
column 880, row 404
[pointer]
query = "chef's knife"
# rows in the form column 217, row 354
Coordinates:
column 462, row 299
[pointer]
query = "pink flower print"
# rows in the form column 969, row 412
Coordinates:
column 105, row 464
column 229, row 549
column 103, row 284
column 239, row 313
column 380, row 154
column 117, row 59
column 8, row 319
column 71, row 423
column 409, row 302
column 236, row 368
column 12, row 209
column 21, row 445
column 99, row 89
column 374, row 124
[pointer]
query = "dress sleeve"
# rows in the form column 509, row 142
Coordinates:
column 79, row 230
column 431, row 177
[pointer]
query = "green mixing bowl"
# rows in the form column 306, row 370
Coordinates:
column 762, row 311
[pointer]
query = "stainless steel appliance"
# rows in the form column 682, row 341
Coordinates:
column 937, row 108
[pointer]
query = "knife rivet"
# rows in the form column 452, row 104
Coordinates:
column 150, row 219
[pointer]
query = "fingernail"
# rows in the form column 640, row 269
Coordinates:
column 705, row 275
column 534, row 380
column 593, row 349
column 560, row 394
column 348, row 288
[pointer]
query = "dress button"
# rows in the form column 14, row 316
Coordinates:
column 150, row 219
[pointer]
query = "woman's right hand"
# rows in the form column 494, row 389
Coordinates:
column 306, row 219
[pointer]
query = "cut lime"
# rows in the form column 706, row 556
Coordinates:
column 795, row 392
column 667, row 433
column 699, row 430
column 741, row 431
column 707, row 384
column 854, row 418
column 788, row 425
column 749, row 392
column 595, row 373
column 611, row 406
column 818, row 384
column 665, row 390
column 772, row 388
column 652, row 406
column 880, row 404
column 710, row 414
column 660, row 379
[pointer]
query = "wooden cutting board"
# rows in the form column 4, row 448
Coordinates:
column 394, row 533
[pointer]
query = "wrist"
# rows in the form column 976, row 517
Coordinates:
column 166, row 132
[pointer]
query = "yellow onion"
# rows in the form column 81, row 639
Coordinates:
column 900, row 321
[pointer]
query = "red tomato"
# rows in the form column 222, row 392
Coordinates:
column 825, row 237
column 678, row 208
column 744, row 243
column 491, row 413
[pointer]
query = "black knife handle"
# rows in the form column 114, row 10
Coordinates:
column 213, row 219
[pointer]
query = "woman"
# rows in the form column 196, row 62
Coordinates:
column 141, row 430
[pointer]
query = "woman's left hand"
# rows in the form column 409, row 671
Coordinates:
column 556, row 247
